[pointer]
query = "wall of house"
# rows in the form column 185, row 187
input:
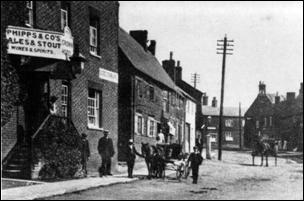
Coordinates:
column 190, row 119
column 48, row 18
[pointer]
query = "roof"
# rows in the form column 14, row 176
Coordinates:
column 143, row 60
column 228, row 111
column 185, row 94
column 271, row 97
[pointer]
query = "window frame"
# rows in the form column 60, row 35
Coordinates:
column 30, row 11
column 95, row 108
column 66, row 23
column 154, row 129
column 64, row 99
column 228, row 136
column 137, row 116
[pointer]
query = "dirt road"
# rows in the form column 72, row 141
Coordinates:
column 234, row 178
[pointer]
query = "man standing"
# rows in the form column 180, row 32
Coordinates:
column 199, row 143
column 85, row 152
column 195, row 160
column 106, row 151
column 131, row 153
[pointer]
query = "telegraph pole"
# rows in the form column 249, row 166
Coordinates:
column 223, row 50
column 240, row 126
column 195, row 79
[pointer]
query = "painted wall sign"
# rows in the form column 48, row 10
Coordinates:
column 108, row 75
column 40, row 43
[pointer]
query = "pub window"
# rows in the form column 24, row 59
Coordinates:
column 30, row 13
column 94, row 109
column 64, row 99
column 64, row 13
column 94, row 35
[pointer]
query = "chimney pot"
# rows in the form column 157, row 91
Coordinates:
column 214, row 102
column 171, row 55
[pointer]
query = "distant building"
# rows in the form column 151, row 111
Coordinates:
column 233, row 124
column 149, row 101
column 277, row 117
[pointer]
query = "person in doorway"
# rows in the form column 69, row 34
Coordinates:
column 195, row 160
column 52, row 105
column 106, row 151
column 161, row 137
column 85, row 152
column 131, row 153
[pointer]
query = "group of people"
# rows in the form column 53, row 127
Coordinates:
column 106, row 151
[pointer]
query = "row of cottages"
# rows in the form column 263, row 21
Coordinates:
column 83, row 77
column 194, row 120
column 233, row 124
column 277, row 117
column 149, row 100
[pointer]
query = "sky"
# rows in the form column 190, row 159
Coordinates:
column 268, row 43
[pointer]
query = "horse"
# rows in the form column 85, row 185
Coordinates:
column 155, row 158
column 264, row 148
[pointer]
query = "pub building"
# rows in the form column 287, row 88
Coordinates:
column 66, row 57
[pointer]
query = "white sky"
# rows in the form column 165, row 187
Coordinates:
column 268, row 42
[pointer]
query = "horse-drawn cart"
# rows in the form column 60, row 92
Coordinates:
column 175, row 160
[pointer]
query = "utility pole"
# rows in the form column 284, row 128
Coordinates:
column 240, row 126
column 223, row 50
column 195, row 79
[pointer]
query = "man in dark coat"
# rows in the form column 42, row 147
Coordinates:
column 131, row 153
column 85, row 152
column 195, row 160
column 106, row 151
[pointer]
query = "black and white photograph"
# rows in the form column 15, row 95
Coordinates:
column 151, row 100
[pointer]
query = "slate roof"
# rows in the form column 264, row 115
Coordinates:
column 228, row 111
column 143, row 60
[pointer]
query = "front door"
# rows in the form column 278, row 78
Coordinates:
column 36, row 103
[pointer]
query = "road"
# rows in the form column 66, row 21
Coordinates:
column 234, row 178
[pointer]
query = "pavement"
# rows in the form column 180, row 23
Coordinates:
column 42, row 189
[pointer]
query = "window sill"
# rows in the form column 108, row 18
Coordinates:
column 95, row 128
column 95, row 55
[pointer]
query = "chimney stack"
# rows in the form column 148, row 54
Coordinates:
column 169, row 66
column 178, row 72
column 152, row 47
column 214, row 102
column 141, row 36
column 262, row 88
column 277, row 98
column 205, row 99
column 290, row 96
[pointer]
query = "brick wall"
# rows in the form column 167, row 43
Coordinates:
column 48, row 18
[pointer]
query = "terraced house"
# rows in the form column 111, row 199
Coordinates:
column 67, row 52
column 149, row 101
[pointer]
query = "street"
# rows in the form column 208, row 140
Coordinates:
column 234, row 178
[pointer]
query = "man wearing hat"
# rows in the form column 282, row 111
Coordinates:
column 195, row 160
column 131, row 153
column 106, row 151
column 85, row 152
